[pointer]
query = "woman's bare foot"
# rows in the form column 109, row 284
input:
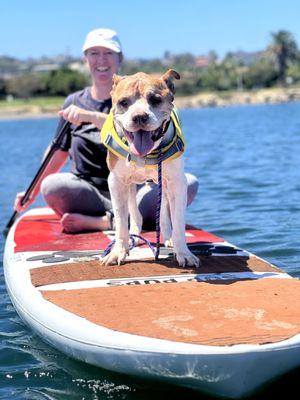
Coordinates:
column 73, row 223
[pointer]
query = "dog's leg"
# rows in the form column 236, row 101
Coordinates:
column 177, row 194
column 136, row 219
column 119, row 195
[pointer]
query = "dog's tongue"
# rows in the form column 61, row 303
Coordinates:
column 142, row 143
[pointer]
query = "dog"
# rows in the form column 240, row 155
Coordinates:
column 141, row 120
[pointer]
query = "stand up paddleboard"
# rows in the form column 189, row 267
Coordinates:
column 224, row 329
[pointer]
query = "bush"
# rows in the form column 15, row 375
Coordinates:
column 64, row 81
column 26, row 86
column 3, row 92
column 293, row 72
column 262, row 73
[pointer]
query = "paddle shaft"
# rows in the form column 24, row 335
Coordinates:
column 54, row 146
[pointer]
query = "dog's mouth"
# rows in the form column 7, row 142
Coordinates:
column 142, row 142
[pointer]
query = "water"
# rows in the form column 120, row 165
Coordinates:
column 247, row 161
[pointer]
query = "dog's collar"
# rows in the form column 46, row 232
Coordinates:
column 172, row 145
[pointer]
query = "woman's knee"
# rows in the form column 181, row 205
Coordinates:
column 62, row 184
column 66, row 193
column 56, row 192
column 50, row 185
column 192, row 187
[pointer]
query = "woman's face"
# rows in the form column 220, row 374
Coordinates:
column 102, row 63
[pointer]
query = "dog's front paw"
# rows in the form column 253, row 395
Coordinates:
column 116, row 256
column 187, row 259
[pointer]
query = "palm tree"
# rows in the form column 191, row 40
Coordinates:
column 285, row 49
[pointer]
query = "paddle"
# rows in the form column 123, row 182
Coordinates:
column 54, row 146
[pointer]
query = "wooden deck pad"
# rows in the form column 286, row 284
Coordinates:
column 257, row 312
column 91, row 270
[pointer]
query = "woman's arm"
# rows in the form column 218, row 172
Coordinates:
column 57, row 162
column 77, row 116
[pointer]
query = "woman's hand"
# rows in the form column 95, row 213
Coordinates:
column 75, row 115
column 78, row 116
column 18, row 200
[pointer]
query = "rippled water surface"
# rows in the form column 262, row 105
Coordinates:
column 247, row 161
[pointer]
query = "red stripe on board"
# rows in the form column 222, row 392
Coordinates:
column 197, row 235
column 44, row 233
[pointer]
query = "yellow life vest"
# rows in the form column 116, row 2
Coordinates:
column 119, row 146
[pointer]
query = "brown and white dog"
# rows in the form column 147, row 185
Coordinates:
column 142, row 106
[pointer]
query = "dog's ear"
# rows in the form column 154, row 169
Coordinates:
column 116, row 79
column 168, row 77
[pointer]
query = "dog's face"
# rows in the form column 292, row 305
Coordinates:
column 142, row 106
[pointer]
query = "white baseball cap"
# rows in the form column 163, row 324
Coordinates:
column 103, row 38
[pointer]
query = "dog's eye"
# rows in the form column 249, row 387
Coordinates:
column 154, row 99
column 123, row 103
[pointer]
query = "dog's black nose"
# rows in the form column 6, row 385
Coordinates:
column 140, row 118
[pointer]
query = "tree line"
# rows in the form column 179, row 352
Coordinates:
column 278, row 64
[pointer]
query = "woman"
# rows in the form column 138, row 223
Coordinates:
column 81, row 197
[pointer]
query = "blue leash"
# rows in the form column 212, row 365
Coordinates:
column 132, row 237
column 158, row 205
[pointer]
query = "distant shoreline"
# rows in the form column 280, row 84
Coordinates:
column 7, row 116
column 200, row 100
column 225, row 99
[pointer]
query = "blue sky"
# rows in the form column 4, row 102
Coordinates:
column 147, row 29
